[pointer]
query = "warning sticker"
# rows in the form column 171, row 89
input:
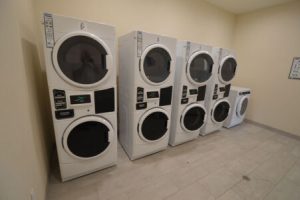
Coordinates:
column 49, row 33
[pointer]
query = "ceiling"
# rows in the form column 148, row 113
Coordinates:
column 244, row 6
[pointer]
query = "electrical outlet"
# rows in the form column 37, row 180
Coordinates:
column 32, row 194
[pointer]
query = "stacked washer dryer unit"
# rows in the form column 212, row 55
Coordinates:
column 81, row 73
column 238, row 98
column 217, row 102
column 194, row 67
column 147, row 68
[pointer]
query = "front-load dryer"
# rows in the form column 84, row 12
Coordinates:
column 216, row 102
column 147, row 68
column 238, row 98
column 194, row 68
column 81, row 74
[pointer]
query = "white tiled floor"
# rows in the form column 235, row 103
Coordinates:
column 244, row 163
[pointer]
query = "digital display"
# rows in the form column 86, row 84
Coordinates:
column 80, row 99
column 193, row 91
column 152, row 94
column 244, row 93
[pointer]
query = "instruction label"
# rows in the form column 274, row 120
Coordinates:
column 49, row 33
column 139, row 43
column 295, row 69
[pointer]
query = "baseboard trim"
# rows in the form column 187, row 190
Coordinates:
column 285, row 133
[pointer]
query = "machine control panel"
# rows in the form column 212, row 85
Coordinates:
column 193, row 94
column 59, row 99
column 165, row 96
column 149, row 97
column 80, row 99
column 227, row 90
column 140, row 94
column 193, row 91
column 244, row 93
column 222, row 89
column 152, row 94
column 184, row 91
column 141, row 106
column 184, row 101
column 201, row 93
column 215, row 95
column 62, row 114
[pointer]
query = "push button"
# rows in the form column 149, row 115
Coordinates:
column 140, row 94
column 60, row 105
column 184, row 101
column 59, row 93
column 62, row 114
column 59, row 99
column 193, row 91
column 184, row 91
column 140, row 106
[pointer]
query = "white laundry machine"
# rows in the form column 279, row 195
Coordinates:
column 216, row 102
column 194, row 67
column 81, row 73
column 147, row 68
column 238, row 98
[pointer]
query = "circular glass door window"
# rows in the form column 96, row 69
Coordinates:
column 154, row 126
column 228, row 69
column 82, row 59
column 221, row 111
column 200, row 68
column 157, row 65
column 88, row 139
column 243, row 107
column 194, row 118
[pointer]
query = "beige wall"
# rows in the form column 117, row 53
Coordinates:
column 25, row 120
column 24, row 125
column 190, row 19
column 266, row 42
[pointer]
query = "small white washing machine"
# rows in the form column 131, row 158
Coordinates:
column 239, row 99
column 81, row 73
column 216, row 102
column 147, row 68
column 194, row 68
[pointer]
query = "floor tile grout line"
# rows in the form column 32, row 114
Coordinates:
column 280, row 180
column 240, row 180
column 260, row 144
column 232, row 155
column 223, row 164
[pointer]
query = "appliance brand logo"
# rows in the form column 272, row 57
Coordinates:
column 82, row 26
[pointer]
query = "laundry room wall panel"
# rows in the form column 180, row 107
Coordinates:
column 24, row 144
column 193, row 20
column 266, row 42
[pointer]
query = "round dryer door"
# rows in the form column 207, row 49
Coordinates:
column 220, row 111
column 199, row 68
column 153, row 125
column 227, row 69
column 88, row 137
column 82, row 59
column 193, row 118
column 242, row 106
column 155, row 64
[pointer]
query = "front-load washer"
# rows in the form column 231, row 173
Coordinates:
column 194, row 67
column 238, row 98
column 147, row 67
column 81, row 74
column 216, row 102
